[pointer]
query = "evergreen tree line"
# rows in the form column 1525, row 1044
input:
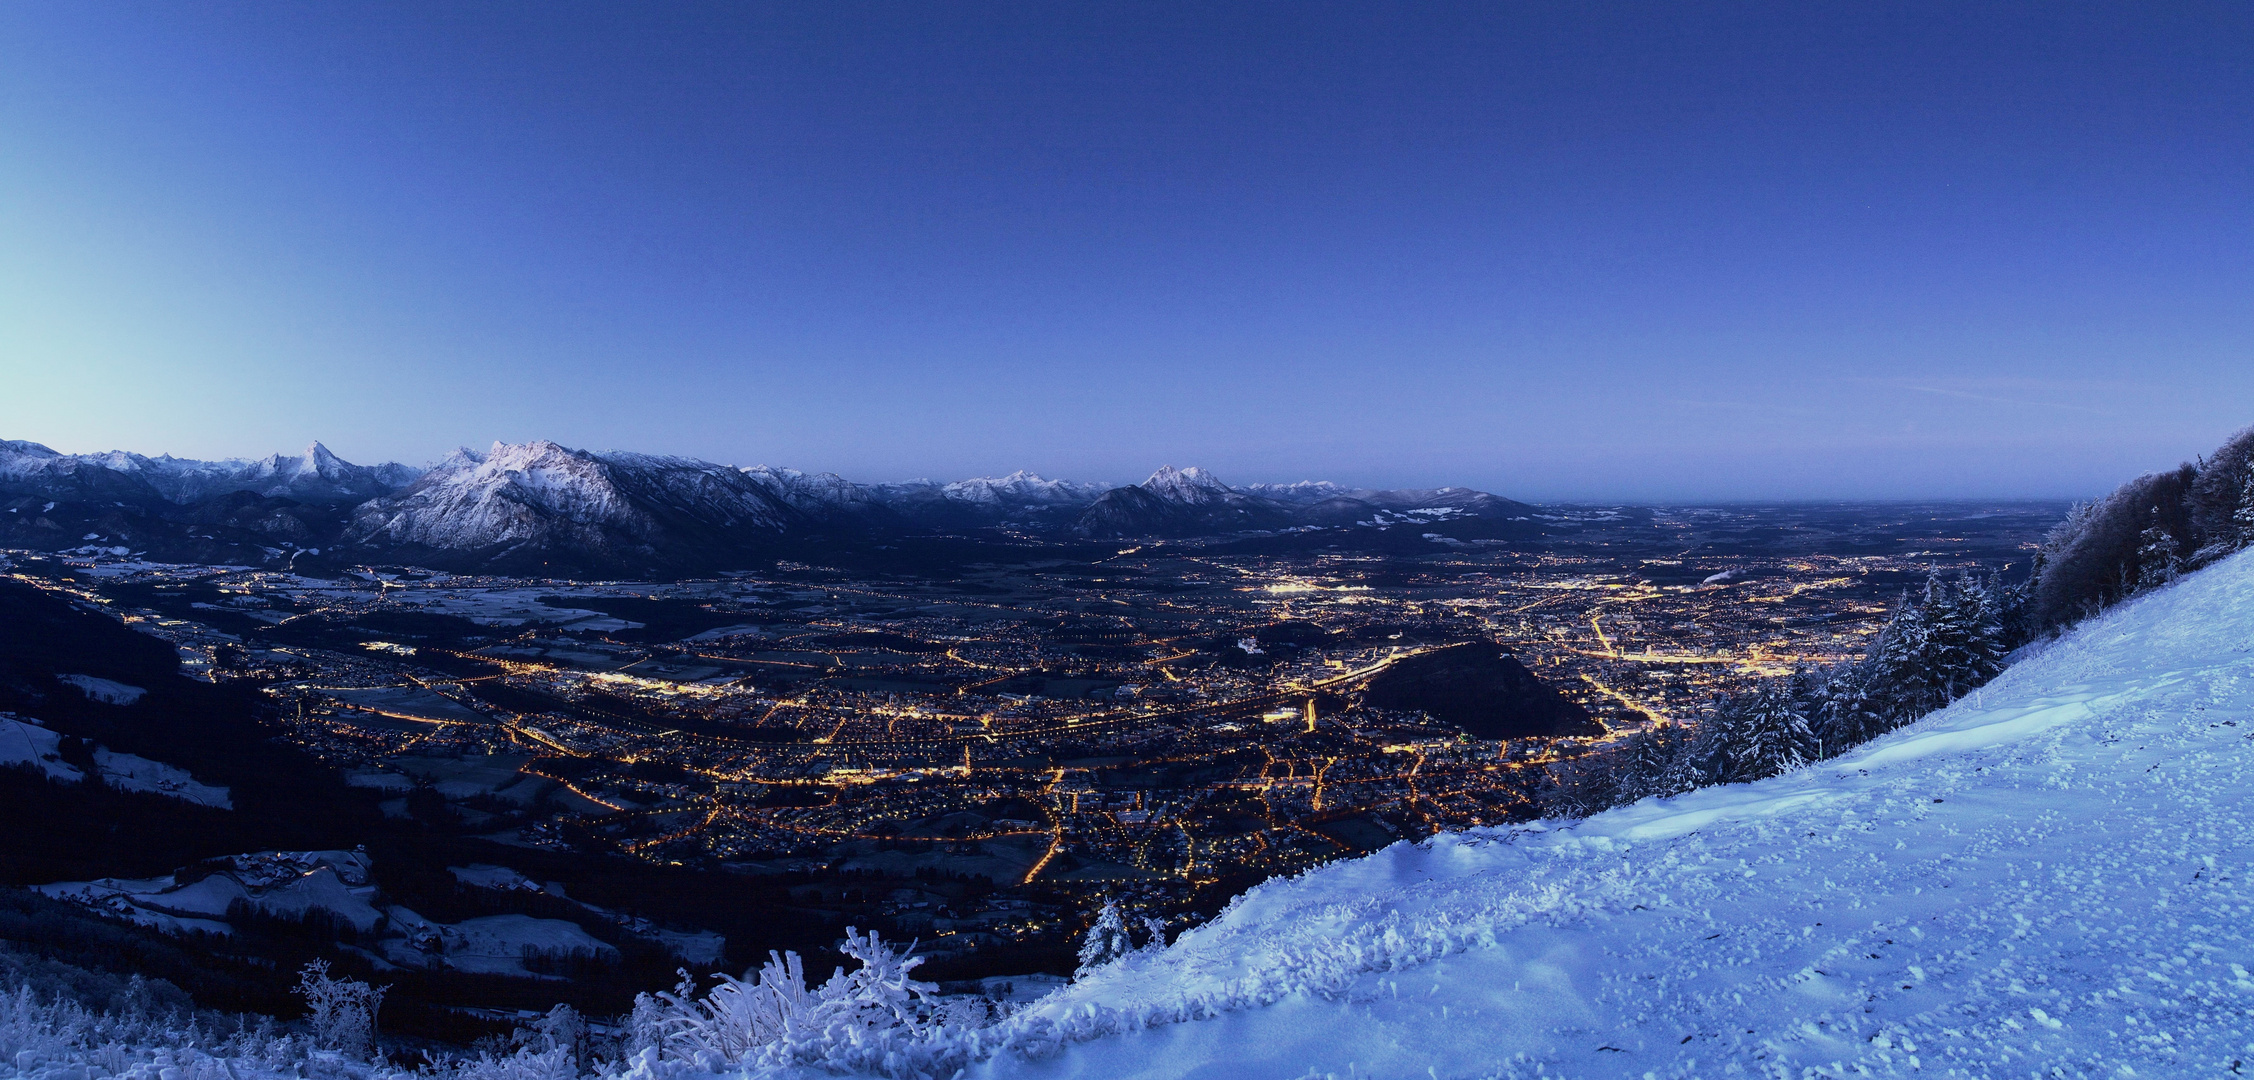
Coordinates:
column 1937, row 646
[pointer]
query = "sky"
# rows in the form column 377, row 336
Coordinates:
column 1663, row 252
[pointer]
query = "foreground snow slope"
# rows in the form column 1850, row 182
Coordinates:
column 2053, row 873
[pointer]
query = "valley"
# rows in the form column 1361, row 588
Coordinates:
column 974, row 760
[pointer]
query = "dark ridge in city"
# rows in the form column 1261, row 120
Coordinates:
column 1477, row 687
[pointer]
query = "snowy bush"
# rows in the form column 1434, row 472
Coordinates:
column 342, row 1011
column 876, row 1018
column 64, row 1040
column 555, row 1063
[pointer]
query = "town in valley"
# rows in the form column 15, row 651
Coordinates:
column 977, row 760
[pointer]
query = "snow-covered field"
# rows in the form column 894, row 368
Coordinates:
column 27, row 742
column 2053, row 874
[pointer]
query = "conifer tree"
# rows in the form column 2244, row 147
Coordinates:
column 1991, row 615
column 1639, row 766
column 1687, row 762
column 1966, row 638
column 1769, row 736
column 2243, row 517
column 1666, row 761
column 1106, row 940
column 2157, row 561
column 1904, row 666
column 1847, row 712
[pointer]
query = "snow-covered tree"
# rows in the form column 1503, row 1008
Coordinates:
column 1645, row 765
column 1689, row 760
column 1847, row 712
column 1106, row 939
column 1768, row 735
column 1905, row 679
column 2243, row 517
column 1966, row 635
column 342, row 1011
column 2158, row 559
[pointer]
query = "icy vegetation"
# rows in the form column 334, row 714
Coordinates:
column 874, row 1019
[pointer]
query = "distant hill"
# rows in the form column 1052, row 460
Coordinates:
column 1484, row 691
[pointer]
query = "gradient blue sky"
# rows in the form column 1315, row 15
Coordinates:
column 1558, row 251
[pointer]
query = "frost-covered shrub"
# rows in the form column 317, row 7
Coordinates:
column 554, row 1063
column 61, row 1039
column 342, row 1011
column 876, row 1018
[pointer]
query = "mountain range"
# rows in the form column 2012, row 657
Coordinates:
column 541, row 507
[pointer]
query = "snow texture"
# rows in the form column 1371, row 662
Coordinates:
column 132, row 772
column 25, row 743
column 282, row 883
column 1192, row 486
column 1021, row 488
column 2053, row 873
column 104, row 690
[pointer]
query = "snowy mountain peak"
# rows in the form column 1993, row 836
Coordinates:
column 815, row 493
column 1305, row 491
column 543, row 504
column 318, row 475
column 1020, row 487
column 1192, row 485
column 25, row 448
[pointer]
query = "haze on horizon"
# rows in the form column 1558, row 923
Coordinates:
column 1642, row 252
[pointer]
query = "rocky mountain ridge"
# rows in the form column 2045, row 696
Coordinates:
column 544, row 508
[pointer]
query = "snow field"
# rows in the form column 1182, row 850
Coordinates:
column 2048, row 878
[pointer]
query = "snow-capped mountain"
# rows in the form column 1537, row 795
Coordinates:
column 542, row 505
column 1180, row 502
column 1193, row 501
column 1191, row 487
column 1305, row 491
column 818, row 494
column 2046, row 877
column 1020, row 488
column 28, row 468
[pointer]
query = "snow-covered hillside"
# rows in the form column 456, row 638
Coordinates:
column 2051, row 874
